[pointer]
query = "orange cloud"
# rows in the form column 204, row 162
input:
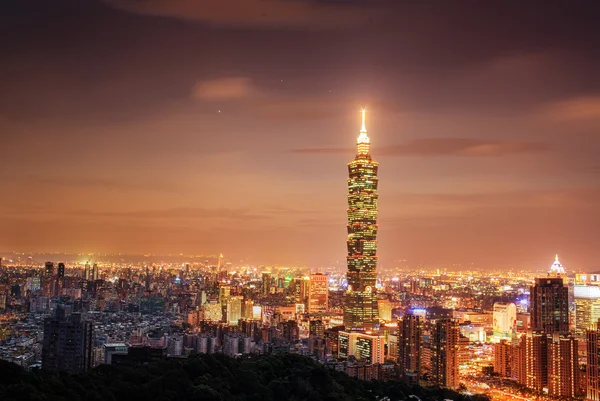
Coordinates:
column 579, row 108
column 224, row 88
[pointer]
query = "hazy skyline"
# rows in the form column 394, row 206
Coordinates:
column 226, row 126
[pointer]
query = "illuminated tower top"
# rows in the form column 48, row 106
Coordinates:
column 362, row 142
column 557, row 268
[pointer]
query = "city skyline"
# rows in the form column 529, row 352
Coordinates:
column 182, row 130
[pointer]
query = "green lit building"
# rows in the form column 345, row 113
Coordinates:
column 360, row 309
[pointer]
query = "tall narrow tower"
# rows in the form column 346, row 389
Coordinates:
column 360, row 309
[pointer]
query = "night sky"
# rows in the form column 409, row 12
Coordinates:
column 210, row 126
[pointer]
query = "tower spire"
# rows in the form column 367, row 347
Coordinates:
column 364, row 112
column 363, row 139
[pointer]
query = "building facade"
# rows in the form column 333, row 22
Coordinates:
column 444, row 345
column 410, row 344
column 563, row 368
column 67, row 345
column 318, row 293
column 360, row 309
column 364, row 347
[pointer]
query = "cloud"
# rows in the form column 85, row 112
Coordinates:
column 83, row 183
column 180, row 213
column 319, row 14
column 224, row 89
column 445, row 147
column 578, row 108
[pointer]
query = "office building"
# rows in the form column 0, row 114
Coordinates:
column 550, row 305
column 563, row 367
column 536, row 360
column 384, row 310
column 518, row 365
column 87, row 273
column 593, row 363
column 360, row 309
column 503, row 358
column 410, row 344
column 587, row 313
column 444, row 345
column 266, row 283
column 504, row 320
column 362, row 346
column 316, row 328
column 318, row 293
column 234, row 310
column 67, row 345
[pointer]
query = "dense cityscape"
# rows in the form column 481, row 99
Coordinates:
column 299, row 200
column 510, row 335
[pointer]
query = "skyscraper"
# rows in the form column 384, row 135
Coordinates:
column 593, row 363
column 410, row 343
column 48, row 286
column 95, row 272
column 550, row 305
column 234, row 310
column 536, row 360
column 502, row 358
column 444, row 353
column 266, row 283
column 318, row 293
column 563, row 367
column 67, row 343
column 360, row 309
column 61, row 270
column 87, row 272
column 366, row 347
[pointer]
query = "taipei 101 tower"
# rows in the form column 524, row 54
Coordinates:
column 360, row 309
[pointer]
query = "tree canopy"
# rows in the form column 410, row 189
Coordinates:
column 209, row 378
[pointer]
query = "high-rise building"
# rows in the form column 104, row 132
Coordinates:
column 266, row 283
column 95, row 273
column 224, row 293
column 550, row 305
column 61, row 270
column 303, row 290
column 87, row 274
column 67, row 344
column 360, row 309
column 503, row 358
column 318, row 293
column 536, row 360
column 384, row 310
column 593, row 363
column 362, row 346
column 410, row 344
column 445, row 335
column 247, row 306
column 48, row 281
column 316, row 328
column 49, row 269
column 518, row 366
column 563, row 366
column 504, row 319
column 234, row 310
column 60, row 278
column 587, row 312
column 212, row 311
